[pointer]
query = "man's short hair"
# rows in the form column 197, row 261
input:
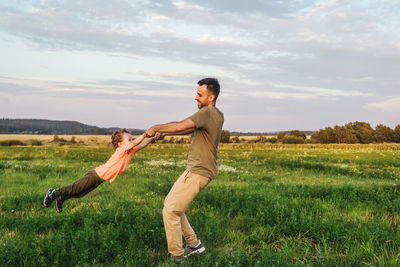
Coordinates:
column 116, row 137
column 212, row 85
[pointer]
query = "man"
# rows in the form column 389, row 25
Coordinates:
column 201, row 167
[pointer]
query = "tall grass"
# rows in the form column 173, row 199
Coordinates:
column 271, row 205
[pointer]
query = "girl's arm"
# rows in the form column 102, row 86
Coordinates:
column 145, row 142
column 138, row 140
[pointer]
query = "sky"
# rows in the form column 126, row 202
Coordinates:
column 282, row 65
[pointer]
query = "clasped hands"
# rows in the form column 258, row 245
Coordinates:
column 152, row 133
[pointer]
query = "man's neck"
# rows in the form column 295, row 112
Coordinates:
column 212, row 104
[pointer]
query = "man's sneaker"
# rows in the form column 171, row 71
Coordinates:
column 49, row 197
column 59, row 203
column 194, row 248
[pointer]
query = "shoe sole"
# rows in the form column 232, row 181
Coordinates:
column 58, row 210
column 200, row 250
column 44, row 200
column 197, row 251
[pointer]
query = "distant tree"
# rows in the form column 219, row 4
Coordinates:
column 363, row 131
column 344, row 135
column 384, row 134
column 324, row 136
column 73, row 140
column 397, row 134
column 298, row 134
column 281, row 135
column 225, row 136
column 340, row 134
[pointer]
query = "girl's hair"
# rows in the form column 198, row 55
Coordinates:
column 116, row 137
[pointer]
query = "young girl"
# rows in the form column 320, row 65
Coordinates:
column 124, row 148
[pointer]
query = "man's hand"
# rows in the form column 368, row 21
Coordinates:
column 159, row 136
column 150, row 132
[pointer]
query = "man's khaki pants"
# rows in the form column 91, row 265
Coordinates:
column 178, row 199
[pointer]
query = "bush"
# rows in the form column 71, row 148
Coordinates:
column 11, row 143
column 293, row 140
column 225, row 136
column 180, row 140
column 73, row 140
column 60, row 140
column 272, row 140
column 236, row 139
column 34, row 142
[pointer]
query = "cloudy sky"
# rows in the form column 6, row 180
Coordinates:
column 282, row 65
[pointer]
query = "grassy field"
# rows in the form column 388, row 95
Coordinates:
column 88, row 140
column 271, row 205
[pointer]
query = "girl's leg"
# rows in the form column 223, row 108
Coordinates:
column 80, row 187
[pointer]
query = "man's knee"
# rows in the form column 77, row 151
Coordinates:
column 169, row 211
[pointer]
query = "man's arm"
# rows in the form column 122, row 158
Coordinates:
column 181, row 127
column 144, row 143
column 190, row 130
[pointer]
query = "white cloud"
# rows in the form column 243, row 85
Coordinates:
column 208, row 39
column 260, row 50
column 96, row 89
column 319, row 91
column 190, row 7
column 389, row 105
column 281, row 95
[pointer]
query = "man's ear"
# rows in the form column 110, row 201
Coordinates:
column 211, row 97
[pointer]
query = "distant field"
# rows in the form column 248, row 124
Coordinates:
column 271, row 205
column 46, row 139
column 87, row 139
column 100, row 139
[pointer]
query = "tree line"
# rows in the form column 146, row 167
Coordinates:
column 287, row 137
column 357, row 133
column 39, row 126
column 351, row 133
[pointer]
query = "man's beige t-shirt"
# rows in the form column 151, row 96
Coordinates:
column 202, row 158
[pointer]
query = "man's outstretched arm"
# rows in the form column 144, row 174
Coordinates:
column 182, row 127
column 190, row 130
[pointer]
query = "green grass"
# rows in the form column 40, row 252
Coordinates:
column 269, row 206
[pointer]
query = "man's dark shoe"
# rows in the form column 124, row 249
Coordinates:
column 194, row 248
column 178, row 259
column 59, row 204
column 49, row 197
